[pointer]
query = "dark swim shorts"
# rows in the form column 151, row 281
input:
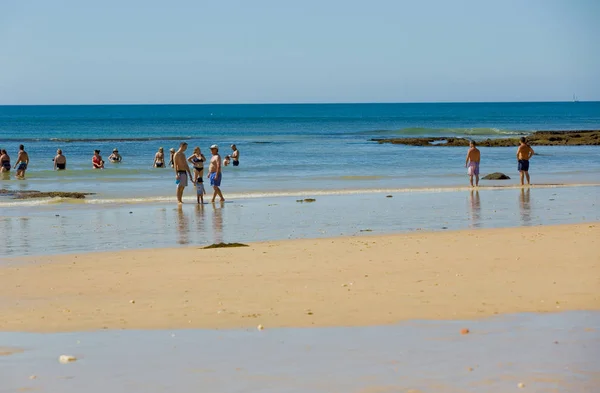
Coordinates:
column 523, row 165
column 236, row 163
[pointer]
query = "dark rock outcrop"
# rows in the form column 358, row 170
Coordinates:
column 31, row 194
column 496, row 176
column 538, row 138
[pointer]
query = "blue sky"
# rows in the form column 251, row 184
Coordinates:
column 262, row 51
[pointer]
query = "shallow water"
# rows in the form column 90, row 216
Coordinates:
column 548, row 353
column 67, row 228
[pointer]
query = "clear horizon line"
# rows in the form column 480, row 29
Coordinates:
column 306, row 103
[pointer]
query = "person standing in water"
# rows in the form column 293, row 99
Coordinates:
column 97, row 161
column 4, row 162
column 60, row 161
column 182, row 171
column 214, row 172
column 524, row 153
column 115, row 157
column 159, row 159
column 235, row 156
column 22, row 162
column 171, row 154
column 472, row 163
column 197, row 160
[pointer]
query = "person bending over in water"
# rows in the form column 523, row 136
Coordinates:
column 159, row 158
column 4, row 162
column 182, row 171
column 214, row 172
column 97, row 161
column 22, row 162
column 524, row 153
column 60, row 161
column 472, row 163
column 115, row 157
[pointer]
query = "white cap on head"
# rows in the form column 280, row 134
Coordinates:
column 214, row 147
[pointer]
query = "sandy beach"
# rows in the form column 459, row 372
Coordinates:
column 352, row 281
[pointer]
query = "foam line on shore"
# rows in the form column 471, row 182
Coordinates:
column 285, row 194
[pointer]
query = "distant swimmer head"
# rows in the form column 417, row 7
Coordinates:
column 523, row 140
column 214, row 147
column 197, row 150
column 59, row 152
column 233, row 146
column 115, row 150
column 473, row 144
column 96, row 151
column 172, row 150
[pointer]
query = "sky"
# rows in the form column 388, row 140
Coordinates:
column 278, row 51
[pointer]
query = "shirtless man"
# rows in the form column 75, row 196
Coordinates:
column 214, row 172
column 182, row 171
column 472, row 163
column 60, row 161
column 22, row 162
column 235, row 156
column 524, row 153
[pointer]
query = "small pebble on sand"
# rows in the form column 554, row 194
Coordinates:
column 521, row 385
column 33, row 377
column 66, row 359
column 260, row 327
column 465, row 331
column 132, row 301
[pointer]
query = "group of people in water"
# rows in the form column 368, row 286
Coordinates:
column 177, row 160
column 524, row 154
column 20, row 165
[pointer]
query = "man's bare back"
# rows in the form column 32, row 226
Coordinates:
column 525, row 152
column 473, row 155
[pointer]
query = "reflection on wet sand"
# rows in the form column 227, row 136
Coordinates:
column 475, row 209
column 200, row 218
column 218, row 221
column 182, row 226
column 525, row 206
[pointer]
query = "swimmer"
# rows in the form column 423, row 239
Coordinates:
column 60, row 161
column 524, row 153
column 22, row 162
column 235, row 156
column 97, row 161
column 214, row 172
column 472, row 163
column 159, row 159
column 115, row 157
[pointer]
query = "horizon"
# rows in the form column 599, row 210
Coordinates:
column 312, row 103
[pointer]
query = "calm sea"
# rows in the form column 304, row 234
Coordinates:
column 287, row 149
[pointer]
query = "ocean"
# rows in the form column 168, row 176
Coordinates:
column 287, row 151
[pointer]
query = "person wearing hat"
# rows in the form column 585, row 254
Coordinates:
column 172, row 154
column 115, row 156
column 214, row 172
column 159, row 158
column 97, row 161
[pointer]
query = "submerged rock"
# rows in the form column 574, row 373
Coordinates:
column 31, row 194
column 538, row 138
column 496, row 176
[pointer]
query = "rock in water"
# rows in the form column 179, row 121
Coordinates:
column 496, row 176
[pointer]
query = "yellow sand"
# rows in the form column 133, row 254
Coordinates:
column 325, row 282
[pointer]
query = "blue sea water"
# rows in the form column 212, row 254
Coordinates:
column 288, row 148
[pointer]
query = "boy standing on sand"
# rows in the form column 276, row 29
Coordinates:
column 472, row 163
column 524, row 153
column 22, row 162
column 182, row 171
column 214, row 172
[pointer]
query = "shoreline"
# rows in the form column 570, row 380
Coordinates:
column 493, row 185
column 346, row 281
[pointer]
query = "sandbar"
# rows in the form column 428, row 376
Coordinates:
column 347, row 281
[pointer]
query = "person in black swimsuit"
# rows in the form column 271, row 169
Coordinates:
column 60, row 161
column 235, row 156
column 197, row 160
column 4, row 161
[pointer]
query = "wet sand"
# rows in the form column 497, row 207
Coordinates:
column 352, row 281
column 547, row 353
